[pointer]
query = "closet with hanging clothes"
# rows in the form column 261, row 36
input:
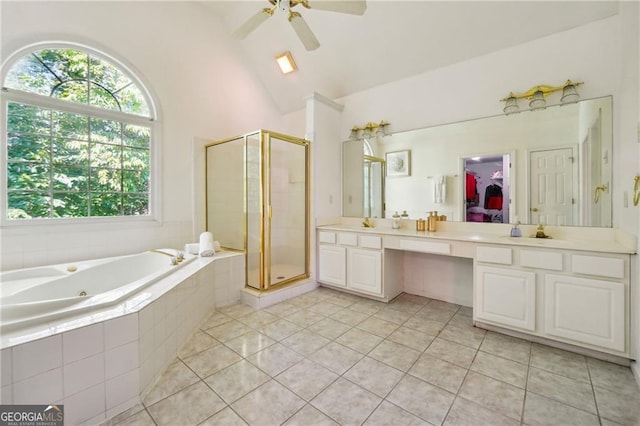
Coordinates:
column 487, row 189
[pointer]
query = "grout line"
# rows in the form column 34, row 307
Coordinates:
column 593, row 391
column 526, row 385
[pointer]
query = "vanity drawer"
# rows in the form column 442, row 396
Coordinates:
column 347, row 239
column 327, row 237
column 549, row 260
column 500, row 255
column 595, row 265
column 370, row 241
column 425, row 246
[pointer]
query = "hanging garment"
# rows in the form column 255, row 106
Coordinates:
column 493, row 197
column 472, row 189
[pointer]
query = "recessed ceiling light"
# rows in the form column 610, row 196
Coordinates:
column 286, row 63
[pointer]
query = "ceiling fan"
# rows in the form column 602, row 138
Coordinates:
column 308, row 39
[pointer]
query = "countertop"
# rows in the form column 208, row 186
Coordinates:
column 595, row 245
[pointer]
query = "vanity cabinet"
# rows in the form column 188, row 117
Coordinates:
column 364, row 270
column 578, row 298
column 506, row 296
column 585, row 310
column 332, row 265
column 352, row 261
column 571, row 294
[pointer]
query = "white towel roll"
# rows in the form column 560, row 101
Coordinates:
column 192, row 248
column 206, row 244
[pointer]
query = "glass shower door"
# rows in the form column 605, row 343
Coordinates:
column 258, row 203
column 288, row 209
column 254, row 210
column 225, row 177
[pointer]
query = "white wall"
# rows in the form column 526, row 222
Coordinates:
column 603, row 54
column 201, row 83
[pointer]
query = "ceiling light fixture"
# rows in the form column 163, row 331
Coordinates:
column 286, row 63
column 537, row 96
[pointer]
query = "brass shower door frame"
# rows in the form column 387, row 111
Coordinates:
column 265, row 209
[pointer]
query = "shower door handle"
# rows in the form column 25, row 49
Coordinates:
column 269, row 212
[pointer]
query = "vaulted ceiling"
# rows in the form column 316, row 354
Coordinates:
column 392, row 40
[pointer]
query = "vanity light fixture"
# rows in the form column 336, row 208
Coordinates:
column 570, row 93
column 286, row 63
column 537, row 96
column 538, row 101
column 368, row 130
column 511, row 104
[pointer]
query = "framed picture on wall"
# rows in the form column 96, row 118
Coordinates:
column 398, row 163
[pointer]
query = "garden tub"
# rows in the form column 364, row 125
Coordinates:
column 38, row 295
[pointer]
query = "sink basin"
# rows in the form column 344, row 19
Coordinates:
column 549, row 242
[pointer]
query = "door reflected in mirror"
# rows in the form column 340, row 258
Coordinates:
column 561, row 167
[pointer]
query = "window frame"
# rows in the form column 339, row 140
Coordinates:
column 11, row 95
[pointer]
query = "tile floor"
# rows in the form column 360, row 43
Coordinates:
column 327, row 358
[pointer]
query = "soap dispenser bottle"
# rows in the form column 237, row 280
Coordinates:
column 515, row 231
column 395, row 221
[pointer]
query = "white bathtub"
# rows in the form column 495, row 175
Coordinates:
column 98, row 362
column 37, row 295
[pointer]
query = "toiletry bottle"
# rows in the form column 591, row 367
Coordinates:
column 395, row 221
column 431, row 222
column 404, row 214
column 515, row 231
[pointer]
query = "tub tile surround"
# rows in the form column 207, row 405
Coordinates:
column 457, row 374
column 29, row 246
column 100, row 364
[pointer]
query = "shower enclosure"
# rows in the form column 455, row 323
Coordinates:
column 257, row 199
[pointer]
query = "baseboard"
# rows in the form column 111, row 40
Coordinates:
column 258, row 300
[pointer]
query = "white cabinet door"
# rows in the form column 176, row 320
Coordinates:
column 506, row 297
column 332, row 267
column 585, row 310
column 365, row 270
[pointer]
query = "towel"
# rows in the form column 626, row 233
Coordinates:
column 206, row 244
column 439, row 189
column 192, row 248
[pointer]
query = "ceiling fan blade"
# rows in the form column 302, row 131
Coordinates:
column 254, row 22
column 304, row 32
column 354, row 7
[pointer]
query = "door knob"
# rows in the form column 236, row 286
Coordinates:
column 534, row 209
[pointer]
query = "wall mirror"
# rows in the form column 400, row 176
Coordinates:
column 560, row 167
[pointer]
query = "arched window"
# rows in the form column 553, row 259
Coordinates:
column 78, row 137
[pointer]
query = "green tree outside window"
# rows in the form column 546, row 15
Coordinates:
column 63, row 164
